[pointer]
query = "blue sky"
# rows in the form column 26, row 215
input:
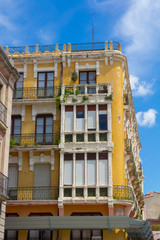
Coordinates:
column 134, row 23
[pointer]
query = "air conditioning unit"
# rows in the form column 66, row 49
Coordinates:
column 97, row 238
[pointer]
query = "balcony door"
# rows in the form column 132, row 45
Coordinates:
column 13, row 181
column 19, row 87
column 44, row 129
column 45, row 84
column 16, row 129
column 88, row 77
column 42, row 181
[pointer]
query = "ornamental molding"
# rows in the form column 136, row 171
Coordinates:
column 43, row 108
column 86, row 67
column 16, row 160
column 45, row 69
column 23, row 70
column 42, row 158
column 19, row 110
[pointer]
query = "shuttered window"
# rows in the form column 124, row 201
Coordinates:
column 80, row 118
column 68, row 172
column 92, row 118
column 91, row 172
column 13, row 176
column 79, row 172
column 69, row 118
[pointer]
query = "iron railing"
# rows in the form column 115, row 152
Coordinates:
column 33, row 193
column 128, row 145
column 74, row 47
column 35, row 93
column 3, row 113
column 123, row 192
column 32, row 139
column 3, row 186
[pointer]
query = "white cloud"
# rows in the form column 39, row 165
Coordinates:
column 141, row 25
column 147, row 119
column 140, row 88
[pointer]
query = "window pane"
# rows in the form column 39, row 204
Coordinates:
column 92, row 77
column 86, row 234
column 91, row 172
column 102, row 117
column 76, row 234
column 41, row 84
column 34, row 234
column 103, row 172
column 80, row 114
column 68, row 175
column 79, row 173
column 49, row 121
column 11, row 234
column 17, row 122
column 17, row 130
column 69, row 122
column 102, row 125
column 40, row 121
column 39, row 129
column 49, row 129
column 49, row 83
column 83, row 77
column 50, row 76
column 41, row 76
column 91, row 120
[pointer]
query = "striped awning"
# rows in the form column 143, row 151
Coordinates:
column 136, row 229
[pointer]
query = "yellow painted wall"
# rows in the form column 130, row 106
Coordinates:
column 25, row 177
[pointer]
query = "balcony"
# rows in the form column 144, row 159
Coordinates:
column 3, row 187
column 33, row 193
column 128, row 146
column 32, row 139
column 123, row 192
column 35, row 93
column 3, row 115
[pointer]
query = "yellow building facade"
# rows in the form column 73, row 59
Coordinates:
column 74, row 148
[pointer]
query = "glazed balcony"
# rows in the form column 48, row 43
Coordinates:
column 3, row 115
column 33, row 193
column 3, row 187
column 122, row 192
column 35, row 93
column 32, row 139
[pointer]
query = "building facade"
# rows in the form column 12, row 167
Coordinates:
column 74, row 138
column 8, row 76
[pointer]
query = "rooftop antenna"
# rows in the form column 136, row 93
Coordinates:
column 92, row 29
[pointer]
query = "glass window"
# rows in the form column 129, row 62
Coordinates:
column 102, row 117
column 88, row 77
column 45, row 84
column 16, row 128
column 44, row 129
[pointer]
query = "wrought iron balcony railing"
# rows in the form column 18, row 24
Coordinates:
column 3, row 113
column 128, row 145
column 123, row 192
column 33, row 193
column 3, row 187
column 65, row 47
column 36, row 93
column 32, row 139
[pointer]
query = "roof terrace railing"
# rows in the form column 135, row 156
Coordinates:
column 64, row 47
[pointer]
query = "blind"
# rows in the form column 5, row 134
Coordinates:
column 13, row 176
column 68, row 173
column 91, row 172
column 79, row 173
column 42, row 175
column 103, row 172
column 91, row 120
column 80, row 124
column 68, row 121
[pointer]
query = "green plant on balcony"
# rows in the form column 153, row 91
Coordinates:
column 85, row 98
column 58, row 99
column 74, row 76
column 12, row 142
column 77, row 91
column 108, row 97
column 58, row 141
column 74, row 100
column 68, row 92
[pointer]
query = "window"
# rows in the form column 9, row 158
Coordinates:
column 86, row 234
column 91, row 118
column 103, row 169
column 45, row 84
column 88, row 77
column 19, row 87
column 91, row 168
column 80, row 118
column 13, row 181
column 68, row 169
column 44, row 129
column 79, row 169
column 16, row 128
column 102, row 117
column 68, row 118
column 11, row 234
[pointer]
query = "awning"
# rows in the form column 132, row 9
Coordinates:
column 136, row 229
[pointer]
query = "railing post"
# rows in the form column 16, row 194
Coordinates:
column 106, row 45
column 69, row 47
column 111, row 45
column 120, row 47
column 36, row 49
column 56, row 48
column 26, row 50
column 7, row 49
column 64, row 47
